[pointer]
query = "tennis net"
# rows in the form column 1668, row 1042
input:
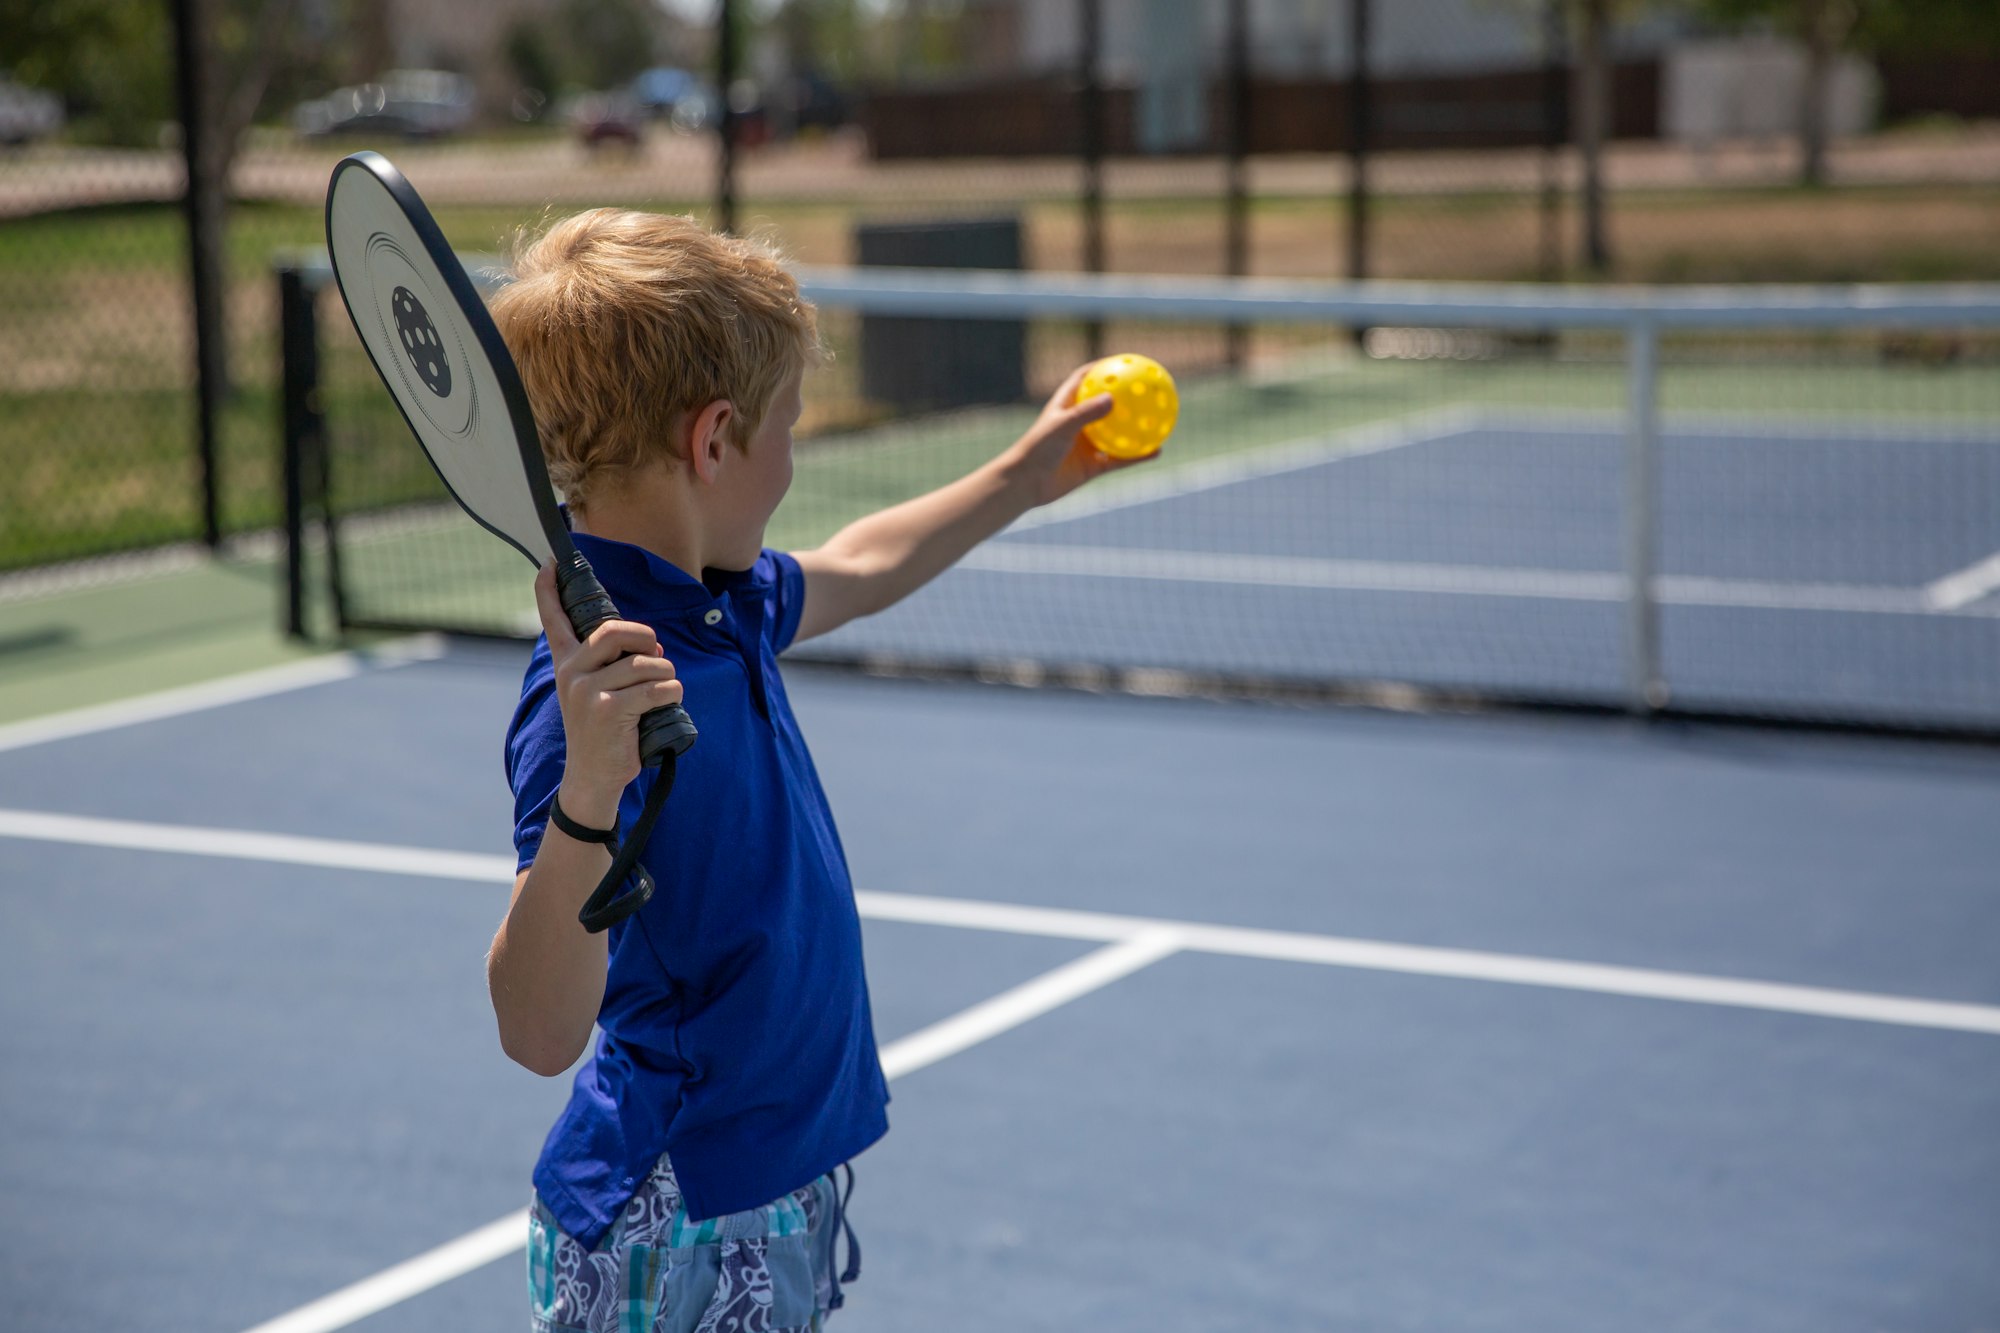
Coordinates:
column 1777, row 503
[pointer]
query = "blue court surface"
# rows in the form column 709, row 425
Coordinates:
column 1839, row 569
column 1200, row 1016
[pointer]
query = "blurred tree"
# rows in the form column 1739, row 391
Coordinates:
column 110, row 62
column 609, row 40
column 535, row 57
column 585, row 45
column 830, row 37
column 1828, row 27
column 1823, row 28
column 1886, row 27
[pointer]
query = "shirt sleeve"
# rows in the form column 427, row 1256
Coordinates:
column 786, row 601
column 535, row 755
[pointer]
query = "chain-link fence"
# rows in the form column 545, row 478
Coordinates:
column 1317, row 138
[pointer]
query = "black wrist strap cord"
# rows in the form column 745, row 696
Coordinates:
column 606, row 906
column 581, row 832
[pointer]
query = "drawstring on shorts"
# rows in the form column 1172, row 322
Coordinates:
column 853, row 1269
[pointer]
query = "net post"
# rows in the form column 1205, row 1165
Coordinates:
column 1647, row 689
column 299, row 357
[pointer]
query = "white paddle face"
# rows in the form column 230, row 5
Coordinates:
column 426, row 349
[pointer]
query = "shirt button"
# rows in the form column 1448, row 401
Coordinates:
column 714, row 616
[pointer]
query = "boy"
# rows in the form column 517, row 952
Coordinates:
column 688, row 1184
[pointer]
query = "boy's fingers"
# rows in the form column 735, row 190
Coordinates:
column 1067, row 391
column 615, row 639
column 629, row 671
column 1090, row 409
column 555, row 621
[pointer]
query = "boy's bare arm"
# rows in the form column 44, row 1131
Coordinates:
column 545, row 973
column 877, row 561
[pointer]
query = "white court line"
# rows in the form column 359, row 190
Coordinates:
column 1192, row 936
column 1965, row 587
column 1049, row 991
column 1132, row 943
column 412, row 1277
column 1834, row 428
column 219, row 693
column 1459, row 964
column 243, row 845
column 982, row 1022
column 1111, row 562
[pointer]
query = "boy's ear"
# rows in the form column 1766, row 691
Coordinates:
column 708, row 438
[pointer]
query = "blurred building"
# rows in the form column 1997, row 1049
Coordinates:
column 1289, row 37
column 1446, row 74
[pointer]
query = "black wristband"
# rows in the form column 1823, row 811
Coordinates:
column 581, row 832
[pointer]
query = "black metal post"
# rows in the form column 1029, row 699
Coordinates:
column 201, row 202
column 1091, row 118
column 1360, row 104
column 1593, row 105
column 725, row 123
column 1236, row 220
column 299, row 362
column 1555, row 132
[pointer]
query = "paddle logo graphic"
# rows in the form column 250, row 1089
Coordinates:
column 414, row 317
column 420, row 341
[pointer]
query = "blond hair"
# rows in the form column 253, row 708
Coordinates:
column 622, row 323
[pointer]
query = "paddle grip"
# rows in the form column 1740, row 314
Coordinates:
column 664, row 731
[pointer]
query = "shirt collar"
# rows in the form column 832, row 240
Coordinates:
column 640, row 582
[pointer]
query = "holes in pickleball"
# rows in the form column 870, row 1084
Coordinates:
column 421, row 342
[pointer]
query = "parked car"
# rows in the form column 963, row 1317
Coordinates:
column 602, row 118
column 674, row 95
column 413, row 103
column 27, row 114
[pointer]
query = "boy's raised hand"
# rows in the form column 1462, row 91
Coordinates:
column 1053, row 456
column 604, row 685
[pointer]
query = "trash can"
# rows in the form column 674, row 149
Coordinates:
column 918, row 364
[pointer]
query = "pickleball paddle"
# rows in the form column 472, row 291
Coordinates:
column 436, row 347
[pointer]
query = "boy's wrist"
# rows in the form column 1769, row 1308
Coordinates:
column 1012, row 470
column 591, row 807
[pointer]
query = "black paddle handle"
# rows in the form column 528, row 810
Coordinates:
column 664, row 731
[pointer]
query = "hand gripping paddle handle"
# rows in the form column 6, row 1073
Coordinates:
column 667, row 730
column 664, row 735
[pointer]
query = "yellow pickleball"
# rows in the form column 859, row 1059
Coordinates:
column 1144, row 405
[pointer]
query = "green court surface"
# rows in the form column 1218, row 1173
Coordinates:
column 89, row 636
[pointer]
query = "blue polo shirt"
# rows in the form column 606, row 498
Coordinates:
column 734, row 1033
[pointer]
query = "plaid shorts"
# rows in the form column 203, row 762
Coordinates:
column 768, row 1270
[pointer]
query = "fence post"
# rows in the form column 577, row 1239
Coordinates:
column 1360, row 107
column 300, row 374
column 1236, row 194
column 202, row 202
column 1555, row 132
column 1646, row 688
column 725, row 120
column 1090, row 93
